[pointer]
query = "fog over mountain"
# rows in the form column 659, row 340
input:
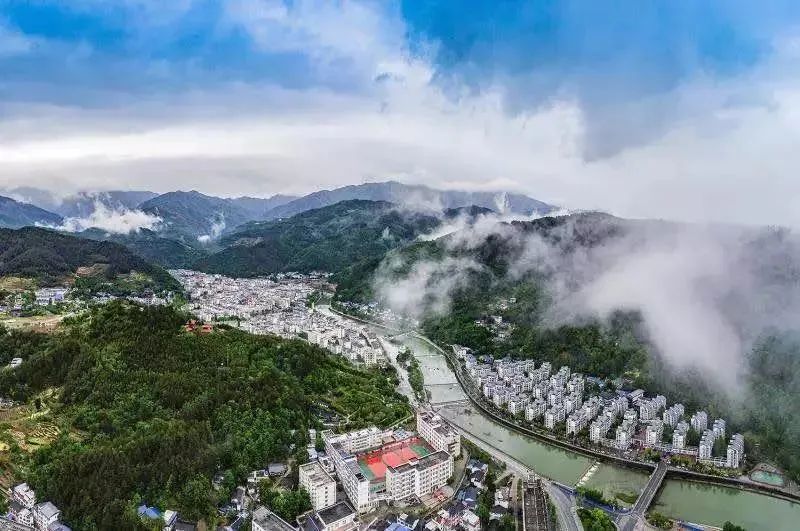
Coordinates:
column 705, row 293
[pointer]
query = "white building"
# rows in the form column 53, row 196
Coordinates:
column 266, row 520
column 419, row 478
column 700, row 421
column 440, row 435
column 735, row 451
column 654, row 433
column 320, row 486
column 679, row 436
column 24, row 495
column 719, row 428
column 673, row 414
column 706, row 448
column 45, row 514
column 625, row 433
column 553, row 416
column 535, row 410
column 599, row 428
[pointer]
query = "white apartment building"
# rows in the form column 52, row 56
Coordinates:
column 553, row 416
column 673, row 414
column 735, row 452
column 24, row 495
column 699, row 421
column 705, row 450
column 419, row 478
column 654, row 433
column 516, row 404
column 719, row 428
column 625, row 434
column 45, row 514
column 440, row 435
column 679, row 436
column 599, row 428
column 575, row 423
column 320, row 486
column 535, row 410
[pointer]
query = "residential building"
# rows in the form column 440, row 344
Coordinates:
column 535, row 410
column 706, row 448
column 266, row 520
column 599, row 428
column 735, row 451
column 440, row 435
column 321, row 487
column 44, row 514
column 699, row 421
column 24, row 495
column 553, row 416
column 624, row 434
column 338, row 517
column 654, row 433
column 719, row 428
column 673, row 414
column 679, row 436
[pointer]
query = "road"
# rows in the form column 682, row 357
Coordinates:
column 567, row 520
column 650, row 490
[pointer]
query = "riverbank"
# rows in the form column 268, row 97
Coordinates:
column 672, row 473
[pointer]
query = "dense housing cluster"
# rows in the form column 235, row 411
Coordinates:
column 619, row 420
column 280, row 306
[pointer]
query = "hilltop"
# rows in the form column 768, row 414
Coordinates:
column 328, row 239
column 53, row 258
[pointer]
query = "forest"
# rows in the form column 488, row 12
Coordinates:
column 52, row 258
column 150, row 413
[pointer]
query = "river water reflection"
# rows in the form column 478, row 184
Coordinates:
column 689, row 501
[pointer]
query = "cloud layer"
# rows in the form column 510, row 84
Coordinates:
column 684, row 112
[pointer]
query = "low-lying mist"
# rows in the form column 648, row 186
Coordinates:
column 705, row 293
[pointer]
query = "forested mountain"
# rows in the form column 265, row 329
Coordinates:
column 330, row 239
column 613, row 297
column 149, row 413
column 415, row 196
column 53, row 258
column 195, row 217
column 81, row 204
column 14, row 214
column 165, row 252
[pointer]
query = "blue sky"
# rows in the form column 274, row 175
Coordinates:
column 641, row 108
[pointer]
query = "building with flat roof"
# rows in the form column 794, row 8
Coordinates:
column 321, row 487
column 338, row 517
column 266, row 520
column 419, row 477
column 440, row 435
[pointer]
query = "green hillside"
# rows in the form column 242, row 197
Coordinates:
column 145, row 412
column 331, row 238
column 53, row 258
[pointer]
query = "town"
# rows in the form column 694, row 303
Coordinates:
column 283, row 306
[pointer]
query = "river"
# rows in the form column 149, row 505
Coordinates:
column 685, row 500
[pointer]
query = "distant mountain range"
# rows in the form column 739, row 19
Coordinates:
column 183, row 227
column 416, row 197
column 15, row 214
column 330, row 238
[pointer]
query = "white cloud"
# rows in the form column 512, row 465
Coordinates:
column 728, row 155
column 119, row 221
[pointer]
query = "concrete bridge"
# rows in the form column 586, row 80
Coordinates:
column 628, row 522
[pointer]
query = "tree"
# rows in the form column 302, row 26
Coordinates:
column 728, row 526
